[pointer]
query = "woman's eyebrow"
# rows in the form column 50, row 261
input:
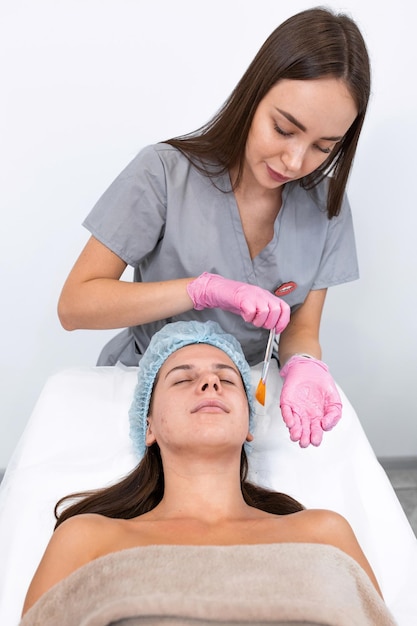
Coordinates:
column 301, row 126
column 179, row 367
column 223, row 366
column 188, row 367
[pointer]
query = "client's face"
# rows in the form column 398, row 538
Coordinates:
column 199, row 401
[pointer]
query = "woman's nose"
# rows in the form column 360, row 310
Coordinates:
column 211, row 381
column 293, row 158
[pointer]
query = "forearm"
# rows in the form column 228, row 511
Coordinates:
column 95, row 297
column 302, row 333
column 298, row 341
column 106, row 303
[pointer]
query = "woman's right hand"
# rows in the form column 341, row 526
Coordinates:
column 254, row 304
column 95, row 297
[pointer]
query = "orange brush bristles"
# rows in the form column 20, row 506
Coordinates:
column 260, row 392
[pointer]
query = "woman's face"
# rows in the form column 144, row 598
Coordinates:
column 295, row 128
column 199, row 399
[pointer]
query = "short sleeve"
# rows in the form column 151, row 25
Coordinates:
column 339, row 262
column 129, row 218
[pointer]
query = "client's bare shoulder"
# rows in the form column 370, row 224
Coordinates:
column 328, row 528
column 74, row 543
column 318, row 526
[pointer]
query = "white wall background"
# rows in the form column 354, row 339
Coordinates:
column 86, row 83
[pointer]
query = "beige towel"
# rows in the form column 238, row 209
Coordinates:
column 284, row 584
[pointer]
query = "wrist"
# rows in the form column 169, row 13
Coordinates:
column 301, row 359
column 197, row 291
column 305, row 355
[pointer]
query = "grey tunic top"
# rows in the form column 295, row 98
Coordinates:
column 167, row 220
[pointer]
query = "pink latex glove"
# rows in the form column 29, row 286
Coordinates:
column 310, row 402
column 253, row 304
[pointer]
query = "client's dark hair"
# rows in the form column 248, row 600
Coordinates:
column 142, row 489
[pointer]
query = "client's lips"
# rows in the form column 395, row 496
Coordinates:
column 211, row 406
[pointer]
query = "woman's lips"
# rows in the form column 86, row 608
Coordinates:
column 279, row 178
column 211, row 406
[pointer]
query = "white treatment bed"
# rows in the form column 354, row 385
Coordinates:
column 77, row 439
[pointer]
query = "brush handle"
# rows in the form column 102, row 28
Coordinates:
column 268, row 354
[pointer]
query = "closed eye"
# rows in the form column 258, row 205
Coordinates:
column 324, row 150
column 282, row 132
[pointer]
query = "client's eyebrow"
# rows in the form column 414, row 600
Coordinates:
column 301, row 126
column 214, row 367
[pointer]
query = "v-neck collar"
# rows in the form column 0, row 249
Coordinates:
column 265, row 254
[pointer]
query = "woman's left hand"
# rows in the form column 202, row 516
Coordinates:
column 310, row 403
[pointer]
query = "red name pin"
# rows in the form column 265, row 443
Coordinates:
column 285, row 288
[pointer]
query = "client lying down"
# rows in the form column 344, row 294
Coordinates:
column 185, row 537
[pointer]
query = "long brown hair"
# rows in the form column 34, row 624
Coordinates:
column 310, row 45
column 142, row 489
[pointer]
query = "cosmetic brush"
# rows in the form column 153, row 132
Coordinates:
column 260, row 390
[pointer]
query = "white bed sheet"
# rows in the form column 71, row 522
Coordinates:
column 77, row 438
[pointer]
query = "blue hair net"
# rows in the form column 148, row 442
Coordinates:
column 170, row 338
